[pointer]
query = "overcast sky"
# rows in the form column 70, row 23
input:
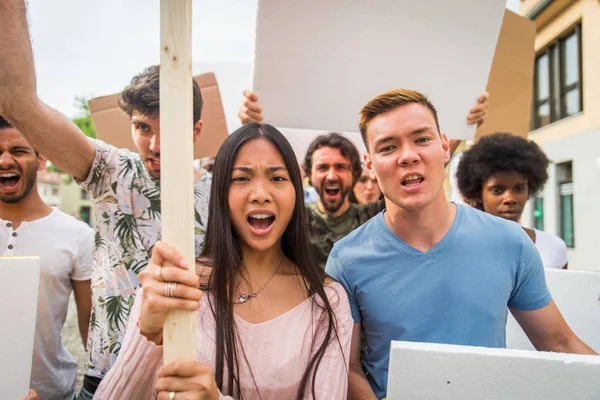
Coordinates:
column 84, row 47
column 87, row 47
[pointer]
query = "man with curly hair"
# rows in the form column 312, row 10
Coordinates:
column 498, row 175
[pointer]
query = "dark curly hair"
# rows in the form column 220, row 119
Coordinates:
column 4, row 123
column 337, row 141
column 143, row 94
column 498, row 153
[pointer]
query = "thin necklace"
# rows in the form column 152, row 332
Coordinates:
column 246, row 297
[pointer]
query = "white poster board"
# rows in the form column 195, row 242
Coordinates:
column 18, row 309
column 447, row 372
column 317, row 62
column 300, row 139
column 577, row 295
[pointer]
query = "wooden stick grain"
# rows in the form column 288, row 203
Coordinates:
column 177, row 173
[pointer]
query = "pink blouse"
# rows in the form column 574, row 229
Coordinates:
column 277, row 351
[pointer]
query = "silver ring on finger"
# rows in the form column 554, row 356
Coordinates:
column 172, row 395
column 170, row 289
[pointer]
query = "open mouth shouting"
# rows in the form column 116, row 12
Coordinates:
column 260, row 222
column 9, row 181
column 154, row 163
column 332, row 191
column 412, row 180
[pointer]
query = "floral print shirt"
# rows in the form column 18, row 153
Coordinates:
column 127, row 204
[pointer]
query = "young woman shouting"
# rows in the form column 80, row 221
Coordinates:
column 269, row 323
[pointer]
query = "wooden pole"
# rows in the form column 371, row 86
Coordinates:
column 177, row 173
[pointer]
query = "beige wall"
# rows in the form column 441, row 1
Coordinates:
column 47, row 193
column 588, row 12
column 71, row 200
column 576, row 138
column 528, row 5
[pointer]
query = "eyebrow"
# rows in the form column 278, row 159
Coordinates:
column 417, row 131
column 250, row 169
column 421, row 130
column 327, row 164
column 20, row 148
column 384, row 140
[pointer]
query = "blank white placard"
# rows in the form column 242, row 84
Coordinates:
column 18, row 310
column 317, row 62
column 577, row 296
column 447, row 372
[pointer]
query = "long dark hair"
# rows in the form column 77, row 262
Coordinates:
column 223, row 250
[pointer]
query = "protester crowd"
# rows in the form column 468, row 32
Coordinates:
column 306, row 270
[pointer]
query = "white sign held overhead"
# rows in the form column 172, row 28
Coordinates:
column 317, row 62
column 18, row 310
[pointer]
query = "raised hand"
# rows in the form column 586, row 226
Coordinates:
column 31, row 395
column 478, row 113
column 250, row 110
column 167, row 285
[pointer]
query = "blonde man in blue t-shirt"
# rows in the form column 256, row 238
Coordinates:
column 429, row 270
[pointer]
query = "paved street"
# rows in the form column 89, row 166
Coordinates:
column 72, row 340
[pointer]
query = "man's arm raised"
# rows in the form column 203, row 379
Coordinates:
column 50, row 132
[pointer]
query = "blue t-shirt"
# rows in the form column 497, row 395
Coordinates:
column 455, row 293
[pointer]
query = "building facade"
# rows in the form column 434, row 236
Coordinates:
column 49, row 185
column 566, row 123
column 61, row 191
column 76, row 202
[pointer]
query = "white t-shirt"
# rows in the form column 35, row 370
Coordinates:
column 455, row 194
column 552, row 249
column 65, row 247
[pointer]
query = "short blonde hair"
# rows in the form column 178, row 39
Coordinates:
column 388, row 101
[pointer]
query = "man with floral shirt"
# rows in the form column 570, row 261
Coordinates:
column 125, row 186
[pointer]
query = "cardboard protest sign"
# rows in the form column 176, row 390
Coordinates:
column 19, row 298
column 318, row 62
column 113, row 126
column 511, row 78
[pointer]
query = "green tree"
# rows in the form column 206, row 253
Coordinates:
column 84, row 121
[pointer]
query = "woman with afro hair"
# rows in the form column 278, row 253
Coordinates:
column 498, row 175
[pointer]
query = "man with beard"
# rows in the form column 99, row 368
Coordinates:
column 333, row 166
column 125, row 186
column 29, row 227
